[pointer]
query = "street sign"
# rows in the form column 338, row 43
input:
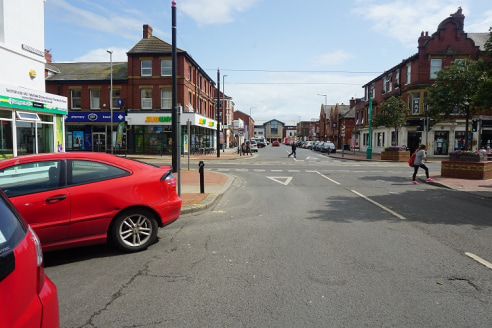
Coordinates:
column 240, row 131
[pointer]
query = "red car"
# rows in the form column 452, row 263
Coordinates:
column 85, row 198
column 275, row 144
column 27, row 297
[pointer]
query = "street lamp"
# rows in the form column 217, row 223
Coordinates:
column 110, row 52
column 224, row 133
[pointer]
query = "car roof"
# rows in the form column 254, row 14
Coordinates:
column 104, row 157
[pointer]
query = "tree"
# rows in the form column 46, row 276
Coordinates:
column 392, row 114
column 458, row 91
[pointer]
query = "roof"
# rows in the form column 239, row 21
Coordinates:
column 152, row 45
column 88, row 71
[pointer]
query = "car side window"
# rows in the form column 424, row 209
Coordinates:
column 81, row 171
column 28, row 178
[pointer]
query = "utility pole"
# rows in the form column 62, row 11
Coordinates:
column 218, row 112
column 369, row 139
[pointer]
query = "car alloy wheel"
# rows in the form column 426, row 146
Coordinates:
column 134, row 230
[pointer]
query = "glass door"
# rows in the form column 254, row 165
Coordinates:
column 99, row 141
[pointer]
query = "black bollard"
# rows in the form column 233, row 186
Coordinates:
column 201, row 170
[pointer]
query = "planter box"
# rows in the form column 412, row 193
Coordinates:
column 466, row 170
column 398, row 156
column 464, row 158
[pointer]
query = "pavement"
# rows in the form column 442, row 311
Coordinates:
column 216, row 183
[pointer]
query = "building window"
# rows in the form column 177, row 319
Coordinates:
column 95, row 99
column 146, row 68
column 116, row 96
column 409, row 73
column 379, row 139
column 146, row 98
column 436, row 66
column 415, row 104
column 166, row 67
column 166, row 99
column 397, row 79
column 75, row 96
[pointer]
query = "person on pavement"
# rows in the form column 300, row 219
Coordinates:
column 420, row 155
column 293, row 150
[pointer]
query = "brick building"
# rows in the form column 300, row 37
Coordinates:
column 141, row 100
column 410, row 80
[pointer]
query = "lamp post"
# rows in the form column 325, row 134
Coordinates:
column 224, row 133
column 369, row 139
column 111, row 96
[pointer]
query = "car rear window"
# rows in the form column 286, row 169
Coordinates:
column 12, row 231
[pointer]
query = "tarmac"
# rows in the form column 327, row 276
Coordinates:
column 216, row 183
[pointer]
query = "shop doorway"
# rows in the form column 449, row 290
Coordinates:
column 441, row 142
column 99, row 141
column 414, row 140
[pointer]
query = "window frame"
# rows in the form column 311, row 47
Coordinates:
column 166, row 70
column 95, row 101
column 146, row 71
column 75, row 99
column 144, row 98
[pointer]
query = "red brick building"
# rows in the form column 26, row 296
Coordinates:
column 141, row 100
column 410, row 80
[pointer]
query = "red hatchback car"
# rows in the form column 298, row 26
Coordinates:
column 85, row 198
column 27, row 297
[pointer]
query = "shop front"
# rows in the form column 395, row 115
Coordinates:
column 92, row 131
column 151, row 132
column 31, row 121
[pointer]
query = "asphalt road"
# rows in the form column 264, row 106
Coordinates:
column 306, row 242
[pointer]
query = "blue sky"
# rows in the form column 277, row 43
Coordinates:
column 279, row 55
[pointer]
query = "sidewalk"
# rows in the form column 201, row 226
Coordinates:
column 484, row 187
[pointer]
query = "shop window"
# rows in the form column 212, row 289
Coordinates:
column 380, row 139
column 75, row 97
column 459, row 140
column 166, row 99
column 146, row 98
column 146, row 68
column 441, row 142
column 95, row 99
column 166, row 67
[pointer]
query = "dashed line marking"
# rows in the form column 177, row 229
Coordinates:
column 479, row 260
column 401, row 217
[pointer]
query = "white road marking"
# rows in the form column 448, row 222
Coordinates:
column 380, row 205
column 284, row 182
column 324, row 176
column 479, row 260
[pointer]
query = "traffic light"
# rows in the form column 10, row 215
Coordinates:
column 474, row 125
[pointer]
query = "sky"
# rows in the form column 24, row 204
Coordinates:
column 278, row 59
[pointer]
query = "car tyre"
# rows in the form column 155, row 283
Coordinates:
column 134, row 230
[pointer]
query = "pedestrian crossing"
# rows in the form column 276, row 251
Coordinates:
column 255, row 170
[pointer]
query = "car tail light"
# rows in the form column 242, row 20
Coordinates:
column 170, row 180
column 39, row 260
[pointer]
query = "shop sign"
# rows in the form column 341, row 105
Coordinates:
column 27, row 99
column 96, row 117
column 158, row 119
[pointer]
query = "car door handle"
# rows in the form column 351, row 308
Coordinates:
column 56, row 198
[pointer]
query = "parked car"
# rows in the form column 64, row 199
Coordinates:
column 28, row 297
column 328, row 147
column 261, row 144
column 85, row 198
column 317, row 145
column 308, row 145
column 275, row 143
column 253, row 146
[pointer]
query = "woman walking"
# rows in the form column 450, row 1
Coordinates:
column 420, row 155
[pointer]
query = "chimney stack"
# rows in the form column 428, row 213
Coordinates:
column 147, row 31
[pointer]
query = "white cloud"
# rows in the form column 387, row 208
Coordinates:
column 405, row 20
column 101, row 55
column 481, row 24
column 334, row 58
column 206, row 12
